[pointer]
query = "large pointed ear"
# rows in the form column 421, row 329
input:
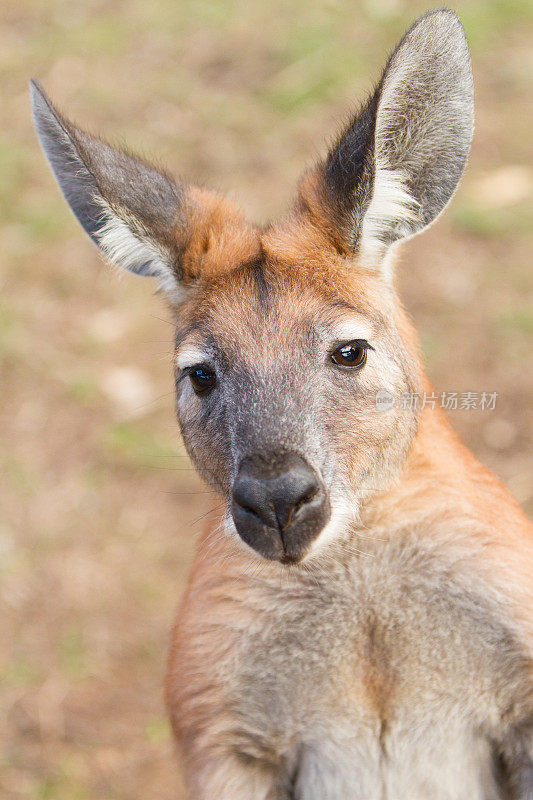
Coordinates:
column 397, row 164
column 139, row 216
column 129, row 208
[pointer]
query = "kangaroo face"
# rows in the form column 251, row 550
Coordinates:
column 287, row 335
column 277, row 377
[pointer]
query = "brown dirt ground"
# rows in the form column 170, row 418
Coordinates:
column 99, row 506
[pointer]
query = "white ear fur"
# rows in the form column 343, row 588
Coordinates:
column 398, row 163
column 391, row 203
column 128, row 249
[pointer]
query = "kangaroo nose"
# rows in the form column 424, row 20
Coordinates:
column 274, row 497
column 279, row 505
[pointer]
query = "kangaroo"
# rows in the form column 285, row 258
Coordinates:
column 358, row 624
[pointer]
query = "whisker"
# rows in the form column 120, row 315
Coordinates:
column 203, row 516
column 161, row 319
column 183, row 494
column 171, row 469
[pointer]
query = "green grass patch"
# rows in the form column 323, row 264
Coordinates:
column 484, row 20
column 15, row 160
column 83, row 389
column 431, row 347
column 138, row 447
column 59, row 786
column 103, row 35
column 19, row 673
column 519, row 320
column 21, row 474
column 315, row 78
column 157, row 730
column 45, row 222
column 72, row 653
column 9, row 326
column 491, row 223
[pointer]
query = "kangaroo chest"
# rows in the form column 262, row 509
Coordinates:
column 390, row 681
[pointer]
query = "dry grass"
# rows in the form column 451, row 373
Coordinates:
column 99, row 503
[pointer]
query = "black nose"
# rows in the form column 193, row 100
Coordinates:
column 279, row 505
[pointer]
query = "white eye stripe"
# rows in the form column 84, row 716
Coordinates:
column 352, row 329
column 188, row 356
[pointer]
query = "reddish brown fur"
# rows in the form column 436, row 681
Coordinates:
column 217, row 236
column 440, row 479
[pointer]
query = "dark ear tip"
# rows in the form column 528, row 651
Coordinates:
column 46, row 118
column 39, row 99
column 36, row 90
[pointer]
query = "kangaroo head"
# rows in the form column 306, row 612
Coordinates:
column 287, row 334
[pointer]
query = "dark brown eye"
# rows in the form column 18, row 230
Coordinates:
column 351, row 355
column 202, row 379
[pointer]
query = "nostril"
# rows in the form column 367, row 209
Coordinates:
column 249, row 499
column 308, row 496
column 303, row 501
column 247, row 509
column 288, row 507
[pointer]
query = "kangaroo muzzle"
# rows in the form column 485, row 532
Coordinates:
column 279, row 505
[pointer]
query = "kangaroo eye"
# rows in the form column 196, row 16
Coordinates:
column 351, row 355
column 202, row 379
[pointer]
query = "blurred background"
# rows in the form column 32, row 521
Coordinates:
column 99, row 506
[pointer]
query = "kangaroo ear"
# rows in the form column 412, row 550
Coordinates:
column 129, row 208
column 398, row 162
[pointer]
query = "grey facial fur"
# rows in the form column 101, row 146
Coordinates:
column 278, row 392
